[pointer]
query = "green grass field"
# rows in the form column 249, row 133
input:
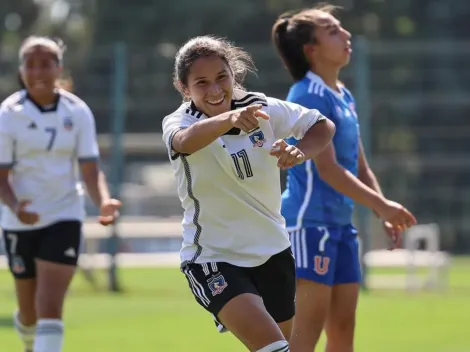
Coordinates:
column 157, row 313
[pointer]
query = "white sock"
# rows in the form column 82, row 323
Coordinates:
column 26, row 333
column 49, row 335
column 278, row 346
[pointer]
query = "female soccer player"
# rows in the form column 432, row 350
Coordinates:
column 43, row 131
column 318, row 201
column 226, row 146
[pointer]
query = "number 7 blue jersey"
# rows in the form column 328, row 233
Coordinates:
column 308, row 201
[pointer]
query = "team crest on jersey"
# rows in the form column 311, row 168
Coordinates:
column 217, row 284
column 17, row 265
column 321, row 264
column 68, row 123
column 257, row 139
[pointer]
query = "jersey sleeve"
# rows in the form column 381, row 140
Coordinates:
column 290, row 119
column 7, row 142
column 87, row 143
column 171, row 125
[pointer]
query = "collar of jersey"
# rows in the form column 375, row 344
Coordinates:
column 242, row 98
column 317, row 79
column 50, row 108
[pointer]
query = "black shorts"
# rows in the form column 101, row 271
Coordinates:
column 215, row 284
column 57, row 243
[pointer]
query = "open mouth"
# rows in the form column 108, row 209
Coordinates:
column 216, row 102
column 38, row 84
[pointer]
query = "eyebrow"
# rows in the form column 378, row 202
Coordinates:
column 223, row 71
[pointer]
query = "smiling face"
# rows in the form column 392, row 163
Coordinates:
column 332, row 45
column 210, row 85
column 39, row 70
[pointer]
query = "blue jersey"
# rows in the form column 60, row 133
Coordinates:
column 308, row 201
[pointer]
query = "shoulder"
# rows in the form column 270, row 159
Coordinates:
column 182, row 113
column 72, row 101
column 242, row 98
column 13, row 101
column 311, row 93
column 10, row 108
column 299, row 88
column 77, row 107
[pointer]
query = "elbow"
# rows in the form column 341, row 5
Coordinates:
column 330, row 128
column 365, row 174
column 328, row 171
column 183, row 145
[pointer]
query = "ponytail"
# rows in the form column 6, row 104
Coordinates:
column 290, row 47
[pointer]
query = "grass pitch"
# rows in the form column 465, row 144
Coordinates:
column 157, row 313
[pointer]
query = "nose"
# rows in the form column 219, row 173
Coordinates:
column 35, row 72
column 347, row 34
column 214, row 89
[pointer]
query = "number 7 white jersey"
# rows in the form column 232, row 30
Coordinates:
column 230, row 190
column 41, row 147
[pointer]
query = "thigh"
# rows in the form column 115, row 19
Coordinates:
column 315, row 251
column 60, row 243
column 213, row 285
column 275, row 281
column 348, row 263
column 245, row 316
column 21, row 248
column 343, row 304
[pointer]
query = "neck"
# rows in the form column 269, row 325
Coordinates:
column 328, row 74
column 44, row 99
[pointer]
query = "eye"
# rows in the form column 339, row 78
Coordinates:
column 334, row 31
column 222, row 77
column 200, row 83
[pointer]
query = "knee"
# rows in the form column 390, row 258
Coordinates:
column 341, row 329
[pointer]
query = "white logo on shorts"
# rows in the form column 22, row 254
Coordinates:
column 70, row 253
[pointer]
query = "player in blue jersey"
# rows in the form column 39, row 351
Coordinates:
column 319, row 200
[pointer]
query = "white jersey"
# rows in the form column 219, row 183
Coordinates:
column 42, row 146
column 230, row 190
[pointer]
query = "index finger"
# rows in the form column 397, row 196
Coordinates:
column 253, row 108
column 261, row 114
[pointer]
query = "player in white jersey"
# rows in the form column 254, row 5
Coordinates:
column 226, row 147
column 43, row 132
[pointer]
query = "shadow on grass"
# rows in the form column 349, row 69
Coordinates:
column 6, row 322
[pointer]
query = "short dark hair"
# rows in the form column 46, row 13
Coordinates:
column 239, row 61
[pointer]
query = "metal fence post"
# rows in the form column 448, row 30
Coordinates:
column 118, row 122
column 361, row 68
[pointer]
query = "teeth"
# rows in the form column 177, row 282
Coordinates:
column 215, row 102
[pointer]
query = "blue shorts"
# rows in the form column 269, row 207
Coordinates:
column 327, row 255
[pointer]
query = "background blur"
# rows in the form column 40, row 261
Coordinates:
column 409, row 73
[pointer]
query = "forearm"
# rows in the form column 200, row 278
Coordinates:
column 346, row 183
column 316, row 139
column 7, row 196
column 97, row 188
column 369, row 179
column 201, row 134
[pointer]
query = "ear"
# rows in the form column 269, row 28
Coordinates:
column 309, row 49
column 185, row 90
